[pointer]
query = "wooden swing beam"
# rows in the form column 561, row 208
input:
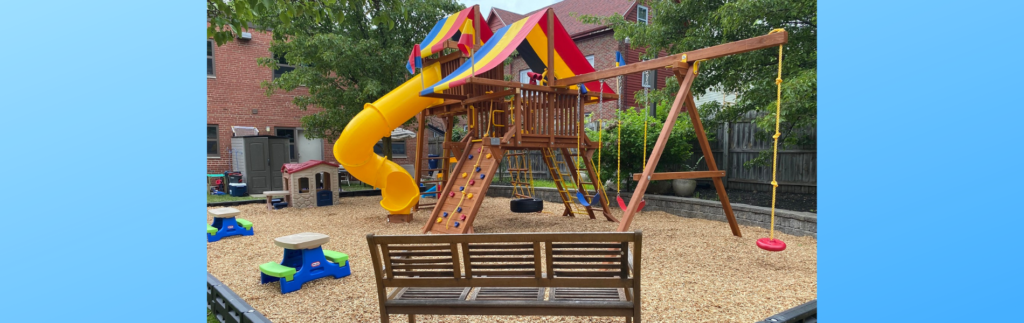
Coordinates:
column 685, row 73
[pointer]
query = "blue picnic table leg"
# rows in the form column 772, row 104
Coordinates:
column 227, row 227
column 309, row 265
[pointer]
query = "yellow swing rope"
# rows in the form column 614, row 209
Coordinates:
column 775, row 150
column 618, row 154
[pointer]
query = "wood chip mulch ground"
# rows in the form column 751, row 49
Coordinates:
column 693, row 270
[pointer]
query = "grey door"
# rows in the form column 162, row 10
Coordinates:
column 257, row 163
column 278, row 157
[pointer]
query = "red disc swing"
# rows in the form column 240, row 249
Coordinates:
column 770, row 243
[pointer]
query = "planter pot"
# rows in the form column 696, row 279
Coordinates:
column 684, row 187
column 659, row 187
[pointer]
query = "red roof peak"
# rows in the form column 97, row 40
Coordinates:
column 292, row 168
column 571, row 9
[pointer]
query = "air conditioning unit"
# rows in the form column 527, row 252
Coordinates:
column 245, row 36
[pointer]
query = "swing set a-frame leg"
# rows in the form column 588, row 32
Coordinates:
column 683, row 96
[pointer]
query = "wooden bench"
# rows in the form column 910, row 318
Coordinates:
column 563, row 274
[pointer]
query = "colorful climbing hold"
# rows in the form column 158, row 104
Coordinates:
column 470, row 157
column 469, row 196
column 445, row 214
column 463, row 175
column 456, row 224
column 452, row 194
column 463, row 217
column 488, row 156
column 462, row 188
column 481, row 176
column 438, row 220
column 458, row 209
column 478, row 169
column 472, row 181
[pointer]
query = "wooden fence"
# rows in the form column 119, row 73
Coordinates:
column 734, row 145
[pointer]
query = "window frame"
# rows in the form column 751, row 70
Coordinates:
column 293, row 149
column 215, row 139
column 593, row 63
column 276, row 73
column 647, row 14
column 212, row 72
column 380, row 143
column 646, row 78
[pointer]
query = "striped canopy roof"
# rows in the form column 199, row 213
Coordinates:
column 529, row 37
column 448, row 28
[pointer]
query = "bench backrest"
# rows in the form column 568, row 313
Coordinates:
column 507, row 260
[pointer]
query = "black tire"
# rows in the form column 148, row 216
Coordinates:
column 532, row 205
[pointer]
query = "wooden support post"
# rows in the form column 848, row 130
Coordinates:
column 421, row 120
column 659, row 147
column 551, row 47
column 710, row 159
column 476, row 27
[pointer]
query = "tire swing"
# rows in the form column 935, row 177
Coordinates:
column 530, row 204
column 770, row 243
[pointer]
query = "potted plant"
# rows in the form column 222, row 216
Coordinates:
column 685, row 187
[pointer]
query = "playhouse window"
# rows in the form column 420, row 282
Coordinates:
column 304, row 185
column 212, row 149
column 323, row 181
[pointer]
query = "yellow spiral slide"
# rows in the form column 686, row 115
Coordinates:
column 354, row 148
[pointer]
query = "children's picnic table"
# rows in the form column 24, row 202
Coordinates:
column 270, row 196
column 225, row 224
column 304, row 260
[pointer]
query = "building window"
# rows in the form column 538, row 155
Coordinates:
column 282, row 66
column 591, row 123
column 641, row 14
column 209, row 58
column 523, row 78
column 290, row 134
column 397, row 149
column 647, row 78
column 590, row 58
column 212, row 150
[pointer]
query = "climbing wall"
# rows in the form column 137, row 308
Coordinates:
column 461, row 198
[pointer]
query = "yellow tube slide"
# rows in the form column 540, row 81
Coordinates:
column 354, row 148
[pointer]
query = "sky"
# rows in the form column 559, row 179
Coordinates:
column 517, row 6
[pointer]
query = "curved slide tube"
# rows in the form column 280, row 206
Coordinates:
column 354, row 148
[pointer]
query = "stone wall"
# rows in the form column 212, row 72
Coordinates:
column 789, row 222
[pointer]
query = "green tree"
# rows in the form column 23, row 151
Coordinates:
column 348, row 61
column 677, row 151
column 684, row 25
column 228, row 18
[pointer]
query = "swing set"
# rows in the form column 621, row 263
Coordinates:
column 685, row 68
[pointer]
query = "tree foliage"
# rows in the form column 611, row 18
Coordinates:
column 633, row 154
column 228, row 18
column 680, row 26
column 347, row 61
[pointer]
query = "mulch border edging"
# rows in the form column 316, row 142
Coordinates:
column 343, row 194
column 227, row 306
column 786, row 221
column 803, row 313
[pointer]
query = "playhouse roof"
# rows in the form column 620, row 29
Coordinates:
column 529, row 37
column 292, row 168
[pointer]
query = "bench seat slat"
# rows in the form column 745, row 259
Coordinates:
column 424, row 274
column 587, row 259
column 584, row 245
column 586, row 252
column 500, row 253
column 502, row 266
column 422, row 261
column 586, row 273
column 419, row 253
column 418, row 247
column 474, row 260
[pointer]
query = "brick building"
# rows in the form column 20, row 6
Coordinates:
column 234, row 97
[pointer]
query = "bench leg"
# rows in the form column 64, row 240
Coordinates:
column 412, row 318
column 629, row 319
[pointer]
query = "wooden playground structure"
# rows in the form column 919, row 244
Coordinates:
column 509, row 119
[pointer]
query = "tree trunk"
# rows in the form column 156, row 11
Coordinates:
column 387, row 148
